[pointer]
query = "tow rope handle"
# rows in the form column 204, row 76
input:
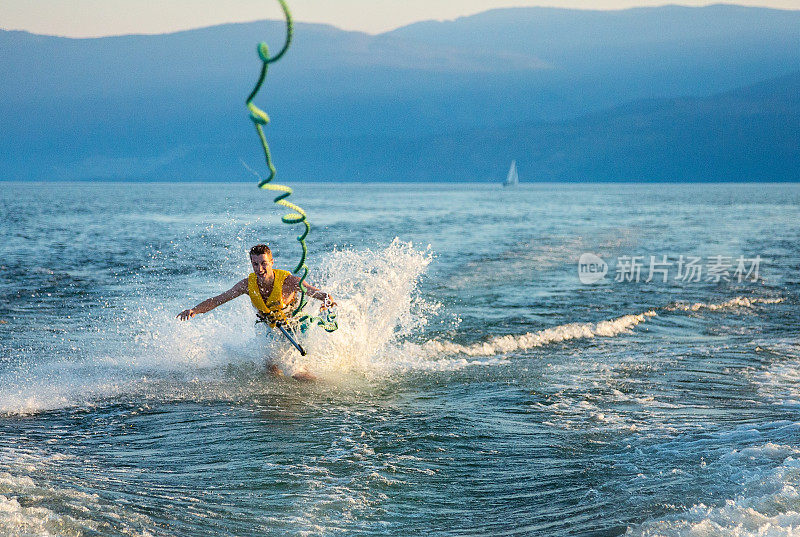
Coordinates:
column 279, row 326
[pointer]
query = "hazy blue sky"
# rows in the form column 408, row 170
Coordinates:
column 85, row 18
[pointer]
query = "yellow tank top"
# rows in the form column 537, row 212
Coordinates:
column 273, row 307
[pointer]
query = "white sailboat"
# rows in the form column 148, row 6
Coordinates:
column 513, row 178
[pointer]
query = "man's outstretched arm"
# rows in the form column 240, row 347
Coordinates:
column 207, row 305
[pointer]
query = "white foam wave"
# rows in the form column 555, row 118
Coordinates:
column 507, row 344
column 768, row 507
column 502, row 345
column 779, row 382
column 31, row 508
column 738, row 302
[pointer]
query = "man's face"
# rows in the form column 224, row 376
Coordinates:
column 262, row 264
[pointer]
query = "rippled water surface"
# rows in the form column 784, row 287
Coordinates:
column 475, row 386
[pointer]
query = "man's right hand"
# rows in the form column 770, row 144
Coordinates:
column 185, row 315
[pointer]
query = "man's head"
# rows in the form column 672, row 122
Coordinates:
column 261, row 259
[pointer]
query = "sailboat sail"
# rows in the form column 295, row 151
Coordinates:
column 513, row 178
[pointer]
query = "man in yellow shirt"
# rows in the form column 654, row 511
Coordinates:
column 273, row 292
column 261, row 285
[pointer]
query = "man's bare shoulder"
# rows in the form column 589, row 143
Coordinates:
column 292, row 281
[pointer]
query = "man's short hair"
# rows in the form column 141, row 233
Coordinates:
column 260, row 249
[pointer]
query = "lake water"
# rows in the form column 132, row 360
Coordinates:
column 476, row 385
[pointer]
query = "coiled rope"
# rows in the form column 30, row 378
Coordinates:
column 297, row 214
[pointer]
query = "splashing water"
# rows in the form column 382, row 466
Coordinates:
column 381, row 314
column 378, row 306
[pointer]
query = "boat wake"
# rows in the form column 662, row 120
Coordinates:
column 768, row 502
column 508, row 344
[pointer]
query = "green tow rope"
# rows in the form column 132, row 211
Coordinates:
column 298, row 215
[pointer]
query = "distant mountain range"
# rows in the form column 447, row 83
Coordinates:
column 647, row 94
